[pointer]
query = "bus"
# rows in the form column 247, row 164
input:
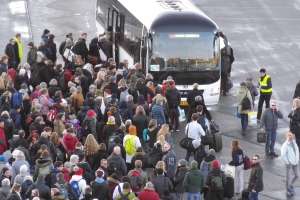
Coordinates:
column 169, row 38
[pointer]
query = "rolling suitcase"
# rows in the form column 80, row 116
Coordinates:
column 217, row 142
column 229, row 188
column 261, row 137
column 245, row 194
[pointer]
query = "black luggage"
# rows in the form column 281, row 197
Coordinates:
column 217, row 142
column 229, row 188
column 245, row 194
column 261, row 137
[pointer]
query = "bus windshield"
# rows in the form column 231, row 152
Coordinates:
column 187, row 51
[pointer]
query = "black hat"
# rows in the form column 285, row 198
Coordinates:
column 46, row 31
column 262, row 70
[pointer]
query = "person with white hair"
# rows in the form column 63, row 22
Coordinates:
column 25, row 185
column 192, row 109
column 148, row 192
column 109, row 129
column 5, row 189
column 193, row 93
column 16, row 165
column 23, row 173
column 74, row 159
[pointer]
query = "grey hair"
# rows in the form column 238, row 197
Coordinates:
column 129, row 98
column 111, row 119
column 272, row 101
column 128, row 122
column 68, row 164
column 149, row 185
column 74, row 158
column 198, row 98
column 6, row 182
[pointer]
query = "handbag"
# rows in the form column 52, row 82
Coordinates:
column 68, row 54
column 92, row 60
column 187, row 143
column 247, row 162
column 214, row 127
column 207, row 139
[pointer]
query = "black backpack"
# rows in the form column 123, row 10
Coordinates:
column 85, row 130
column 173, row 101
column 61, row 81
column 123, row 114
column 112, row 168
column 201, row 121
column 35, row 77
column 225, row 63
column 124, row 197
column 246, row 103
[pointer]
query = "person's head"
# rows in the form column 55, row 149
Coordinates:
column 111, row 120
column 88, row 191
column 54, row 191
column 289, row 136
column 35, row 193
column 243, row 84
column 152, row 123
column 159, row 171
column 12, row 41
column 249, row 79
column 5, row 171
column 195, row 116
column 167, row 146
column 74, row 159
column 140, row 110
column 132, row 130
column 103, row 163
column 182, row 162
column 255, row 159
column 262, row 72
column 78, row 145
column 112, row 79
column 1, row 122
column 117, row 150
column 68, row 166
column 44, row 91
column 92, row 88
column 235, row 145
column 58, row 165
column 296, row 103
column 99, row 173
column 199, row 108
column 78, row 171
column 6, row 182
column 129, row 98
column 211, row 152
column 84, row 35
column 273, row 104
column 198, row 98
column 149, row 186
column 195, row 86
column 16, row 187
column 194, row 164
column 4, row 59
column 138, row 164
column 59, row 176
column 102, row 146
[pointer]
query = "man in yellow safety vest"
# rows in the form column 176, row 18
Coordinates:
column 265, row 86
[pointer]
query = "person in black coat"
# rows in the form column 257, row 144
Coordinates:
column 43, row 72
column 3, row 64
column 140, row 121
column 139, row 154
column 83, row 112
column 152, row 132
column 38, row 124
column 295, row 120
column 141, row 89
column 4, row 105
column 43, row 48
column 118, row 142
column 41, row 187
column 52, row 72
column 93, row 48
column 52, row 46
column 109, row 129
column 10, row 52
column 100, row 186
column 192, row 109
column 106, row 46
column 82, row 50
column 193, row 93
column 112, row 86
column 20, row 79
column 53, row 88
column 8, row 126
column 177, row 180
column 43, row 140
column 15, row 191
column 99, row 155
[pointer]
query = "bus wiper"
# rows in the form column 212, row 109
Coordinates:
column 209, row 76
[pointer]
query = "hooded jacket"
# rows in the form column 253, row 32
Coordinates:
column 205, row 166
column 142, row 157
column 215, row 171
column 81, row 183
column 42, row 140
column 20, row 177
column 173, row 97
column 192, row 94
column 237, row 157
column 3, row 140
column 192, row 109
column 8, row 127
column 92, row 125
column 294, row 121
column 270, row 118
column 136, row 143
column 59, row 127
column 32, row 57
column 108, row 130
column 4, row 191
column 141, row 89
column 148, row 194
column 161, row 183
column 290, row 152
column 252, row 89
column 121, row 166
column 241, row 93
column 123, row 106
column 158, row 114
column 193, row 181
column 170, row 160
column 16, row 168
column 68, row 187
column 179, row 178
column 16, row 118
column 100, row 188
column 25, row 186
column 82, row 114
column 112, row 184
column 43, row 162
column 140, row 121
column 256, row 178
column 152, row 133
column 41, row 187
column 70, row 142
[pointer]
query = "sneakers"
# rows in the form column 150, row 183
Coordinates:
column 292, row 190
column 273, row 154
column 171, row 131
column 267, row 153
column 289, row 192
column 177, row 130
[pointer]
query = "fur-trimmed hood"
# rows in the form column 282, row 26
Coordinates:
column 159, row 96
column 139, row 153
column 43, row 162
column 113, row 180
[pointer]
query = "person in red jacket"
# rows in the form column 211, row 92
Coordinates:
column 148, row 193
column 166, row 84
column 2, row 137
column 69, row 140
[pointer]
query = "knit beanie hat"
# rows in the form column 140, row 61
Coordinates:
column 91, row 113
column 194, row 164
column 215, row 163
column 79, row 171
column 182, row 162
column 132, row 130
column 211, row 152
column 89, row 95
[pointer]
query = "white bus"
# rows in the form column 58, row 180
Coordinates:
column 170, row 38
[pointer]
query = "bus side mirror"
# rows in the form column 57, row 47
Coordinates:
column 144, row 52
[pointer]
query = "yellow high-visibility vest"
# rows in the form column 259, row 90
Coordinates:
column 264, row 83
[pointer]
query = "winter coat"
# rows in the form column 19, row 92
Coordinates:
column 140, row 121
column 19, row 79
column 215, row 171
column 13, row 196
column 25, row 186
column 32, row 57
column 123, row 152
column 98, row 156
column 82, row 114
column 152, row 133
column 125, row 192
column 113, row 87
column 241, row 93
column 10, row 52
column 136, row 143
column 108, row 130
column 41, row 187
column 252, row 89
column 16, row 168
column 192, row 94
column 4, row 191
column 295, row 121
column 52, row 89
column 290, row 152
column 100, row 189
column 170, row 93
column 141, row 89
column 3, row 67
column 269, row 119
column 112, row 184
column 43, row 162
column 2, row 140
column 58, row 196
column 2, row 165
column 81, row 183
column 256, row 178
column 59, row 127
column 69, row 141
column 82, row 49
column 42, row 140
column 143, row 178
column 39, row 127
column 121, row 166
column 68, row 187
column 20, row 177
column 43, row 72
column 16, row 117
column 131, row 106
column 206, row 166
column 170, row 160
column 192, row 109
column 46, row 105
column 52, row 46
column 25, row 151
column 123, row 106
column 77, row 100
column 5, row 106
column 92, row 125
column 8, row 127
column 148, row 194
column 158, row 114
column 155, row 156
column 237, row 157
column 107, row 48
column 179, row 178
column 161, row 183
column 139, row 156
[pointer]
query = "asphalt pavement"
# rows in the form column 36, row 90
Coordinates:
column 262, row 33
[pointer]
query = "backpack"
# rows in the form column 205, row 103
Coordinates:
column 246, row 103
column 123, row 114
column 75, row 187
column 216, row 182
column 135, row 179
column 225, row 63
column 35, row 77
column 39, row 56
column 51, row 114
column 59, row 155
column 124, row 197
column 47, row 180
column 29, row 119
column 112, row 168
column 124, row 94
column 62, row 190
column 61, row 81
column 173, row 103
column 16, row 98
column 129, row 147
column 111, row 140
column 201, row 121
column 85, row 129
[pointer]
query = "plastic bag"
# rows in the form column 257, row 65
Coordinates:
column 252, row 121
column 181, row 114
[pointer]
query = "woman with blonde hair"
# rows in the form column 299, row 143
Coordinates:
column 161, row 140
column 15, row 192
column 77, row 99
column 53, row 88
column 2, row 86
column 295, row 120
column 7, row 79
column 100, row 79
column 60, row 150
column 237, row 161
column 163, row 130
column 91, row 147
column 159, row 165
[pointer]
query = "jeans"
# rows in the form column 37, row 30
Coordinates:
column 263, row 98
column 295, row 169
column 244, row 121
column 271, row 139
column 188, row 155
column 239, row 171
column 253, row 196
column 193, row 195
column 181, row 196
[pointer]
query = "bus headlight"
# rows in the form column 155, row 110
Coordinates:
column 214, row 91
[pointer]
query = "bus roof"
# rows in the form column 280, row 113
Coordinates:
column 147, row 10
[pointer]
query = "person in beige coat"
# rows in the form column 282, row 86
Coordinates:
column 58, row 123
column 241, row 93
